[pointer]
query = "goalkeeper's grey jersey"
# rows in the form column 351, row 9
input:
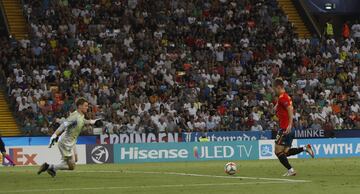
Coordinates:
column 75, row 124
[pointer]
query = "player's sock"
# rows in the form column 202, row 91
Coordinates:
column 61, row 166
column 9, row 159
column 294, row 151
column 284, row 161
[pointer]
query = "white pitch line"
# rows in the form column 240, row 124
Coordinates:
column 197, row 175
column 184, row 174
column 140, row 187
column 217, row 176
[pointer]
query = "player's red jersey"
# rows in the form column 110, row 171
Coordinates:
column 281, row 112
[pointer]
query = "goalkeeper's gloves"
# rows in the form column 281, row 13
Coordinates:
column 53, row 139
column 92, row 122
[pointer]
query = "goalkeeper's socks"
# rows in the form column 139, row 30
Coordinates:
column 294, row 151
column 61, row 166
column 9, row 159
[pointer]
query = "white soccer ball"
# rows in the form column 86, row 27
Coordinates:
column 230, row 168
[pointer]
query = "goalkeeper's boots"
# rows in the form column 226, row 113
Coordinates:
column 51, row 172
column 43, row 168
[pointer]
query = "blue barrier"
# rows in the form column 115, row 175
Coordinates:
column 192, row 151
column 321, row 133
column 332, row 148
column 228, row 136
column 27, row 141
column 346, row 133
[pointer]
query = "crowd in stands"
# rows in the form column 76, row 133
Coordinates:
column 174, row 65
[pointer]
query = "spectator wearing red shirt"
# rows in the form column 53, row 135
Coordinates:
column 345, row 30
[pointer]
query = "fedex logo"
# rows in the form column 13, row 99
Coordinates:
column 20, row 158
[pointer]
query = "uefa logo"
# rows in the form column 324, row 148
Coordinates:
column 266, row 150
column 99, row 155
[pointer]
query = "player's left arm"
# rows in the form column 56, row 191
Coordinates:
column 91, row 121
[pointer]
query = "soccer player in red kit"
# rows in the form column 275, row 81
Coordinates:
column 285, row 134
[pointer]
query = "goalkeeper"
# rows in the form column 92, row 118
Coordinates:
column 68, row 131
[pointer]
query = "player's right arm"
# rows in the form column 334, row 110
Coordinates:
column 70, row 121
column 290, row 110
column 75, row 154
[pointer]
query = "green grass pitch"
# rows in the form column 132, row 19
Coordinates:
column 317, row 176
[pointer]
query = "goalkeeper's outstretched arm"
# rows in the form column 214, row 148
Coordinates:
column 91, row 121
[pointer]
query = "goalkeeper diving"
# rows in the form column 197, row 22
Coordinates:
column 67, row 133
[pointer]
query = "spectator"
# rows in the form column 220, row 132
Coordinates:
column 162, row 126
column 346, row 30
column 256, row 127
column 329, row 31
column 131, row 127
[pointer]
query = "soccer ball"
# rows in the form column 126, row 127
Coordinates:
column 230, row 168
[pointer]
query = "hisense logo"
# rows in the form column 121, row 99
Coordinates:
column 198, row 152
column 134, row 153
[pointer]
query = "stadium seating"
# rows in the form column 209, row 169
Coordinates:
column 8, row 126
column 176, row 66
column 15, row 18
column 294, row 18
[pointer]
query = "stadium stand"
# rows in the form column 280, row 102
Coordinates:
column 176, row 65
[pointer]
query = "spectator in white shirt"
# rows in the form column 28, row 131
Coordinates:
column 211, row 125
column 161, row 125
column 131, row 127
column 200, row 125
column 355, row 107
column 192, row 110
column 256, row 127
column 356, row 31
column 23, row 105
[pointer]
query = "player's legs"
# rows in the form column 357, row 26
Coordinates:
column 70, row 163
column 67, row 161
column 282, row 146
column 280, row 153
column 298, row 150
column 294, row 151
column 3, row 152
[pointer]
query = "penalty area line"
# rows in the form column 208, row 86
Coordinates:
column 140, row 187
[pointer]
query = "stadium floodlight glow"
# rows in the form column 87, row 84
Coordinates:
column 329, row 6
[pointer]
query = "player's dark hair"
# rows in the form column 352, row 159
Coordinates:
column 279, row 82
column 80, row 101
